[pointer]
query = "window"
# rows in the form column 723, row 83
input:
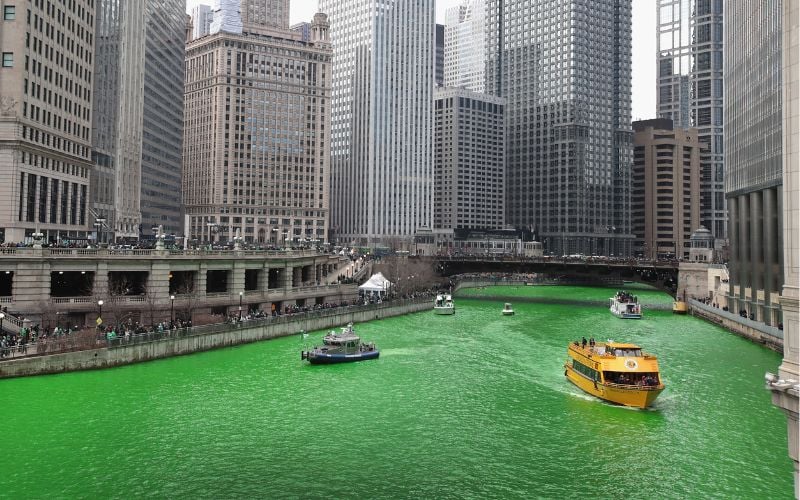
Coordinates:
column 8, row 59
column 9, row 13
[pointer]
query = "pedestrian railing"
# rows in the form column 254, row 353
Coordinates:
column 78, row 341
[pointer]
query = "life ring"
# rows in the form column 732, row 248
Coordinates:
column 631, row 364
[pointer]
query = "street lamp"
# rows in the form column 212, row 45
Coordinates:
column 211, row 227
column 99, row 222
column 240, row 306
column 2, row 317
column 100, row 312
column 172, row 310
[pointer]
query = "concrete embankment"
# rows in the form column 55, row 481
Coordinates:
column 202, row 339
column 769, row 336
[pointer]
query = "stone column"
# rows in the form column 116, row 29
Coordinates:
column 744, row 251
column 201, row 281
column 770, row 255
column 288, row 276
column 297, row 276
column 756, row 252
column 158, row 281
column 236, row 278
column 733, row 265
column 263, row 278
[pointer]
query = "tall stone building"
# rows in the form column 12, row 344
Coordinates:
column 469, row 180
column 465, row 46
column 785, row 395
column 137, row 128
column 382, row 146
column 666, row 188
column 690, row 90
column 753, row 156
column 564, row 67
column 257, row 135
column 46, row 76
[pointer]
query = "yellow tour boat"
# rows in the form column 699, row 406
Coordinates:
column 613, row 371
column 680, row 307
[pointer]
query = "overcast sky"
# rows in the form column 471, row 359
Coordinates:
column 644, row 46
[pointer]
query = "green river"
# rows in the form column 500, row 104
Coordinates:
column 467, row 406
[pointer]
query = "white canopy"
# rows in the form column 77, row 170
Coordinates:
column 376, row 283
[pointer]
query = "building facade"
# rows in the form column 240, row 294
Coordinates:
column 162, row 119
column 257, row 137
column 138, row 118
column 46, row 76
column 564, row 68
column 439, row 65
column 259, row 15
column 465, row 46
column 201, row 21
column 666, row 189
column 785, row 395
column 753, row 157
column 469, row 165
column 304, row 29
column 690, row 91
column 382, row 145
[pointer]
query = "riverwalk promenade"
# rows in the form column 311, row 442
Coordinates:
column 149, row 346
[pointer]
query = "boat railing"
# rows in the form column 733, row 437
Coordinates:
column 637, row 387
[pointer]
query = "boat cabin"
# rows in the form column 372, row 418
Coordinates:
column 619, row 350
column 631, row 378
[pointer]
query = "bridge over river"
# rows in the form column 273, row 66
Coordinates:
column 662, row 275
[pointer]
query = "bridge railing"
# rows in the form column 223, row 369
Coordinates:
column 149, row 252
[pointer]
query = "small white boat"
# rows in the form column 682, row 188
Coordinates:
column 507, row 310
column 625, row 306
column 444, row 304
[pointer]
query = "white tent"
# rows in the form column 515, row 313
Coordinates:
column 376, row 284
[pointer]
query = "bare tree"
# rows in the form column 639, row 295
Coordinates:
column 152, row 301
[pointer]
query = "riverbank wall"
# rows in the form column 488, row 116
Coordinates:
column 769, row 336
column 204, row 338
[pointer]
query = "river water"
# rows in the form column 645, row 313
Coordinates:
column 467, row 406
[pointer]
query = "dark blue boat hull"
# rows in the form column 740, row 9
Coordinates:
column 316, row 358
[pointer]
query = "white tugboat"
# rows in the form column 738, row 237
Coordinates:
column 508, row 310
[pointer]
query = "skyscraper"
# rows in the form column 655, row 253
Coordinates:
column 666, row 188
column 138, row 110
column 439, row 73
column 45, row 119
column 465, row 46
column 257, row 135
column 469, row 168
column 201, row 21
column 564, row 67
column 304, row 29
column 382, row 145
column 162, row 125
column 753, row 156
column 118, row 115
column 690, row 63
column 259, row 15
